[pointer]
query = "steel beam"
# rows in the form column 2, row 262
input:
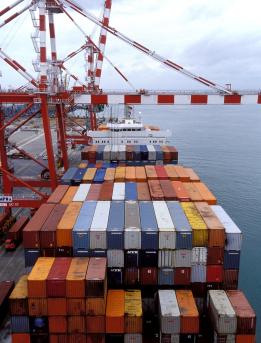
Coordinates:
column 19, row 114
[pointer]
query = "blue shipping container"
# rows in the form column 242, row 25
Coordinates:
column 144, row 153
column 78, row 176
column 159, row 153
column 231, row 259
column 131, row 191
column 166, row 276
column 115, row 277
column 136, row 153
column 20, row 324
column 31, row 256
column 99, row 176
column 149, row 227
column 149, row 258
column 99, row 152
column 181, row 224
column 81, row 253
column 131, row 258
column 68, row 176
column 81, row 229
column 115, row 226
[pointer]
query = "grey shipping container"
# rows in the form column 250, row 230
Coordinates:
column 198, row 273
column 115, row 228
column 166, row 258
column 132, row 234
column 199, row 255
column 149, row 226
column 115, row 258
column 182, row 258
column 132, row 338
column 169, row 312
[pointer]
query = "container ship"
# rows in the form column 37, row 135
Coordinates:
column 131, row 247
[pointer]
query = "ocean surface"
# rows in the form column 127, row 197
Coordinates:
column 223, row 145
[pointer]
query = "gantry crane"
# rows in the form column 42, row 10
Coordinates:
column 47, row 87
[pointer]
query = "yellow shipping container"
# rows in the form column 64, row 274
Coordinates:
column 120, row 174
column 65, row 226
column 37, row 278
column 110, row 174
column 83, row 165
column 130, row 174
column 89, row 175
column 21, row 290
column 133, row 311
column 67, row 198
column 199, row 228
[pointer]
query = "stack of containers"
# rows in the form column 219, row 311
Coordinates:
column 232, row 248
column 133, row 317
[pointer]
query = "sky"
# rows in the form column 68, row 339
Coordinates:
column 216, row 39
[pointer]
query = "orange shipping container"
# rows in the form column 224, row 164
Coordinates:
column 189, row 316
column 75, row 279
column 38, row 307
column 95, row 306
column 130, row 174
column 207, row 195
column 76, row 306
column 151, row 173
column 182, row 174
column 95, row 324
column 180, row 191
column 216, row 231
column 171, row 172
column 245, row 339
column 155, row 190
column 192, row 175
column 109, row 175
column 69, row 195
column 21, row 338
column 140, row 174
column 57, row 324
column 143, row 191
column 193, row 192
column 115, row 311
column 89, row 175
column 37, row 278
column 57, row 307
column 120, row 174
column 65, row 226
column 76, row 324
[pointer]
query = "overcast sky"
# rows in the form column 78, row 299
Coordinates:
column 216, row 39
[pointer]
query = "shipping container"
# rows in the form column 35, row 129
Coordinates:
column 206, row 194
column 166, row 258
column 167, row 233
column 115, row 227
column 107, row 153
column 18, row 300
column 115, row 311
column 245, row 339
column 95, row 324
column 216, row 231
column 58, row 194
column 148, row 258
column 15, row 233
column 140, row 174
column 57, row 306
column 31, row 256
column 76, row 325
column 48, row 230
column 68, row 196
column 89, row 175
column 133, row 311
column 130, row 175
column 38, row 276
column 192, row 175
column 115, row 258
column 161, row 172
column 20, row 324
column 96, row 306
column 56, row 279
column 131, row 276
column 230, row 279
column 81, row 229
column 143, row 191
column 182, row 276
column 94, row 192
column 96, row 277
column 182, row 258
column 193, row 192
column 120, row 174
column 171, row 172
column 129, row 152
column 78, row 176
column 75, row 279
column 148, row 276
column 151, row 152
column 215, row 273
column 31, row 233
column 182, row 174
column 199, row 255
column 98, row 238
column 99, row 176
column 189, row 316
column 118, row 191
column 168, row 190
column 166, row 276
column 82, row 192
column 132, row 233
column 159, row 152
column 133, row 338
column 115, row 277
column 109, row 175
column 215, row 255
column 106, row 191
column 231, row 259
column 169, row 313
column 198, row 273
column 68, row 175
column 136, row 152
column 76, row 306
column 20, row 338
column 66, row 224
column 132, row 258
column 57, row 324
column 222, row 314
column 151, row 173
column 233, row 233
column 131, row 191
column 182, row 226
column 38, row 307
column 156, row 192
column 149, row 227
column 199, row 228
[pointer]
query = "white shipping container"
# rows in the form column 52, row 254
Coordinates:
column 199, row 273
column 233, row 233
column 169, row 312
column 107, row 153
column 132, row 238
column 82, row 192
column 114, row 152
column 118, row 191
column 199, row 255
column 182, row 258
column 166, row 258
column 172, row 338
column 98, row 239
column 133, row 338
column 163, row 216
column 229, row 338
column 115, row 258
column 122, row 153
column 222, row 313
column 151, row 152
column 167, row 239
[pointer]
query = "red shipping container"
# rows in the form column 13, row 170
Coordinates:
column 95, row 338
column 131, row 276
column 143, row 191
column 148, row 276
column 215, row 255
column 31, row 233
column 214, row 273
column 173, row 152
column 48, row 252
column 76, row 338
column 20, row 338
column 155, row 190
column 57, row 324
column 58, row 339
column 38, row 307
column 58, row 194
column 245, row 339
column 48, row 231
column 94, row 192
column 182, row 276
column 166, row 153
column 96, row 277
column 168, row 190
column 129, row 152
column 230, row 278
column 106, row 191
column 95, row 324
column 246, row 318
column 76, row 324
column 180, row 191
column 76, row 306
column 161, row 173
column 56, row 280
column 57, row 307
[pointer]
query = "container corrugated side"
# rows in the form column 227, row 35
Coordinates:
column 115, row 258
column 132, row 338
column 133, row 311
column 182, row 258
column 115, row 227
column 151, row 152
column 96, row 281
column 58, row 194
column 56, row 279
column 75, row 279
column 167, row 233
column 115, row 311
column 18, row 300
column 82, row 192
column 98, row 238
column 166, row 258
column 132, row 234
column 199, row 255
column 169, row 312
column 149, row 226
column 198, row 273
column 222, row 313
column 207, row 195
column 189, row 322
column 118, row 191
column 68, row 196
